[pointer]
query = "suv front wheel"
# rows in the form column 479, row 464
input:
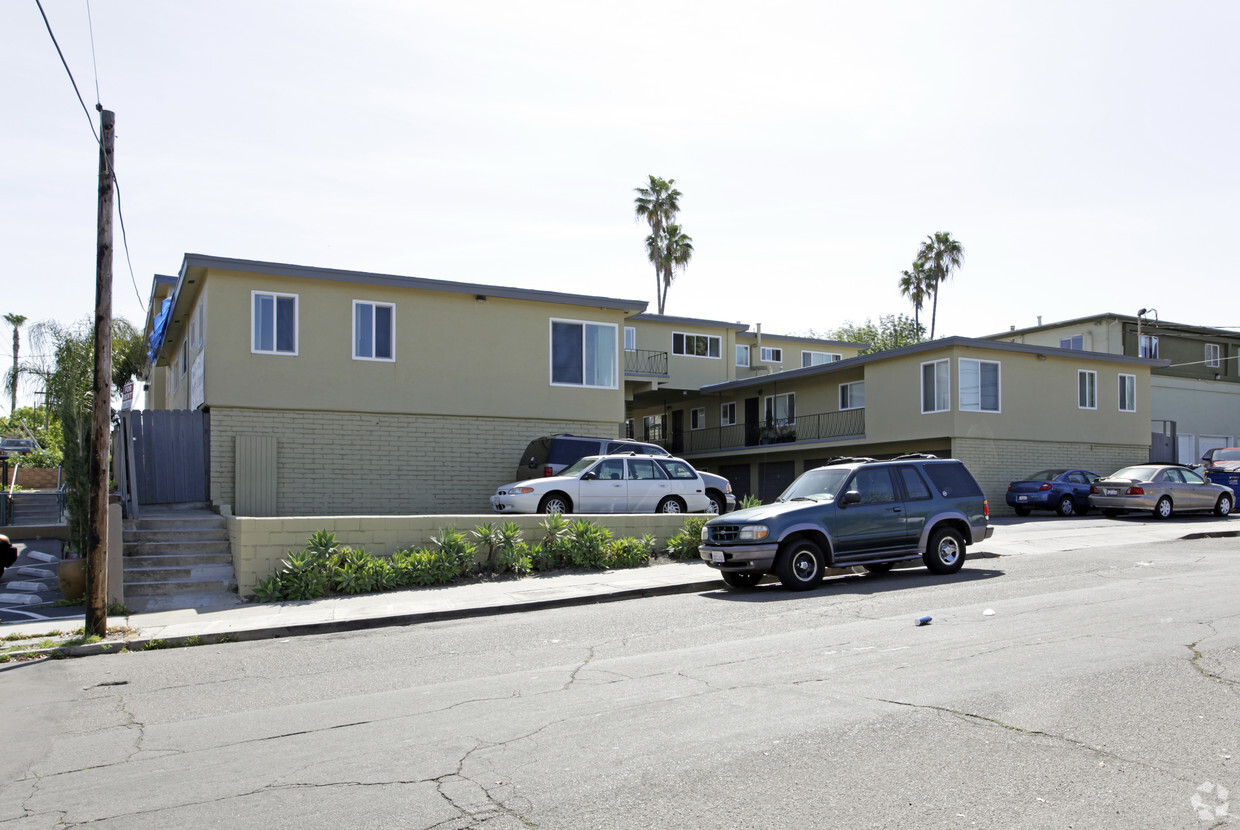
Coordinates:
column 945, row 553
column 799, row 565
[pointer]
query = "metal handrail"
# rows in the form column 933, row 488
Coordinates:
column 823, row 426
column 645, row 362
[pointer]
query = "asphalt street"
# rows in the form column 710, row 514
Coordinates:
column 1102, row 692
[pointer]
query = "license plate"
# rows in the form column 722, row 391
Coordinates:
column 1112, row 492
column 716, row 556
column 1022, row 498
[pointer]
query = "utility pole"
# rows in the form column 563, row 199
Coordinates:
column 101, row 414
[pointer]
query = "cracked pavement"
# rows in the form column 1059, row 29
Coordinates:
column 1103, row 692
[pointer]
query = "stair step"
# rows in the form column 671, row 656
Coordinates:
column 190, row 572
column 139, row 525
column 213, row 547
column 170, row 602
column 177, row 535
column 178, row 586
column 176, row 560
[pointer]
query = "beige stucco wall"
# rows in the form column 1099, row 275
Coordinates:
column 686, row 371
column 259, row 544
column 381, row 463
column 1103, row 335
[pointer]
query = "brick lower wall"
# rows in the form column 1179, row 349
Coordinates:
column 995, row 464
column 348, row 463
column 34, row 478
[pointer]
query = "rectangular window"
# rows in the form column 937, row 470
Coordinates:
column 742, row 355
column 772, row 355
column 935, row 387
column 1213, row 355
column 273, row 322
column 583, row 354
column 727, row 414
column 202, row 322
column 818, row 358
column 183, row 360
column 630, row 339
column 979, row 385
column 852, row 395
column 781, row 410
column 1086, row 389
column 652, row 427
column 1127, row 393
column 697, row 418
column 373, row 331
column 1076, row 341
column 697, row 345
column 1148, row 346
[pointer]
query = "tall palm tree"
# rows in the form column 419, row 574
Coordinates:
column 10, row 380
column 915, row 285
column 658, row 204
column 940, row 256
column 670, row 251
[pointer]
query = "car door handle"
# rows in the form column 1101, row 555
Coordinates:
column 897, row 510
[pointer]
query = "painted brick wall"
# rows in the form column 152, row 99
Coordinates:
column 995, row 464
column 34, row 478
column 348, row 463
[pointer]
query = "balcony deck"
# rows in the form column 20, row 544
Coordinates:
column 805, row 429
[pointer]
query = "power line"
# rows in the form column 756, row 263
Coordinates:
column 112, row 172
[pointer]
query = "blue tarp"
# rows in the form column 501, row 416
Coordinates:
column 158, row 326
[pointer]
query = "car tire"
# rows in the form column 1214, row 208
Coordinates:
column 1164, row 509
column 718, row 503
column 741, row 580
column 1066, row 506
column 671, row 504
column 800, row 565
column 1223, row 506
column 879, row 567
column 945, row 553
column 1111, row 512
column 555, row 503
column 1022, row 511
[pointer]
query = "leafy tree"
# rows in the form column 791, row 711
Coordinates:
column 890, row 332
column 939, row 256
column 667, row 247
column 10, row 379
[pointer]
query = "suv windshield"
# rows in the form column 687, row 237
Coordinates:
column 1227, row 455
column 822, row 483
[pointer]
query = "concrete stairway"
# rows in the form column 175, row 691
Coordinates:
column 36, row 508
column 177, row 556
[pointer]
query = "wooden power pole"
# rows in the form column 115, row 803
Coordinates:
column 101, row 414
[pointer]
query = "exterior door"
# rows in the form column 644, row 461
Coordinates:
column 753, row 428
column 876, row 523
column 607, row 491
column 678, row 432
column 648, row 484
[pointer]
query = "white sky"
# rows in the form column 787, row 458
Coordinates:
column 1084, row 153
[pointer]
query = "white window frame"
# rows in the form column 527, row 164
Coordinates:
column 739, row 351
column 585, row 325
column 1087, row 398
column 697, row 418
column 1147, row 346
column 275, row 334
column 968, row 362
column 710, row 339
column 771, row 354
column 769, row 407
column 183, row 359
column 727, row 414
column 1214, row 355
column 942, row 397
column 849, row 395
column 201, row 314
column 630, row 338
column 353, row 340
column 1129, row 381
column 807, row 358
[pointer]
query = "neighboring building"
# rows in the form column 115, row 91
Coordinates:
column 1004, row 409
column 1194, row 395
column 343, row 392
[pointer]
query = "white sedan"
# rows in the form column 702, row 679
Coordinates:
column 609, row 484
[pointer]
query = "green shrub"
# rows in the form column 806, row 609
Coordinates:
column 452, row 545
column 687, row 541
column 555, row 544
column 628, row 553
column 749, row 501
column 587, row 544
column 519, row 558
column 302, row 577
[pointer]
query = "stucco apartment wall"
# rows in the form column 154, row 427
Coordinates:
column 333, row 463
column 997, row 463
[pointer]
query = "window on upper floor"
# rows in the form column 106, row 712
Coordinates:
column 697, row 418
column 817, row 358
column 273, row 323
column 979, row 385
column 1214, row 355
column 630, row 338
column 1086, row 389
column 772, row 355
column 1076, row 341
column 584, row 354
column 374, row 335
column 1127, row 393
column 742, row 355
column 936, row 387
column 697, row 345
column 1148, row 346
column 727, row 414
column 183, row 360
column 781, row 410
column 852, row 395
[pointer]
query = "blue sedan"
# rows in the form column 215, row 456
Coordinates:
column 1064, row 491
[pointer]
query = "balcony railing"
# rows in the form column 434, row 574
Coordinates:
column 645, row 362
column 824, row 426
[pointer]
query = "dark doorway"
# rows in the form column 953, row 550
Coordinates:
column 678, row 432
column 753, row 429
column 773, row 478
column 738, row 476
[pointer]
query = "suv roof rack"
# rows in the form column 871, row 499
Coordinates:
column 848, row 459
column 914, row 455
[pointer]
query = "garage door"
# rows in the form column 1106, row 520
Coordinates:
column 1188, row 449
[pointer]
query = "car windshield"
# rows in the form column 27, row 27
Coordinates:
column 1046, row 475
column 1137, row 473
column 580, row 466
column 1227, row 455
column 819, row 484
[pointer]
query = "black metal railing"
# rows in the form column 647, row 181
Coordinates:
column 43, row 508
column 824, row 426
column 645, row 362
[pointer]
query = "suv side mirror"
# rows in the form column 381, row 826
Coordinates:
column 852, row 497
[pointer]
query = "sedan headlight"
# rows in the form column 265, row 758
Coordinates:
column 513, row 491
column 752, row 533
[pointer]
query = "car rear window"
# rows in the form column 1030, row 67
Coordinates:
column 568, row 450
column 678, row 469
column 952, row 480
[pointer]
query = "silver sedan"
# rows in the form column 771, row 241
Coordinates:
column 1162, row 489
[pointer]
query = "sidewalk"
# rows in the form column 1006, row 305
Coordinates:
column 254, row 621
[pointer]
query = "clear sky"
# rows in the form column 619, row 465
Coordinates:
column 1084, row 153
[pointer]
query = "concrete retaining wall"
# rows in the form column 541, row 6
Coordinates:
column 34, row 478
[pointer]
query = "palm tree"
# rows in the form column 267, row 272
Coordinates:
column 939, row 255
column 915, row 285
column 658, row 204
column 10, row 380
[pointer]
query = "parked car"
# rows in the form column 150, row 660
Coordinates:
column 1162, row 489
column 1064, row 491
column 552, row 453
column 17, row 446
column 855, row 511
column 625, row 483
column 1222, row 466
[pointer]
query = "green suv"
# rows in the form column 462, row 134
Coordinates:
column 853, row 511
